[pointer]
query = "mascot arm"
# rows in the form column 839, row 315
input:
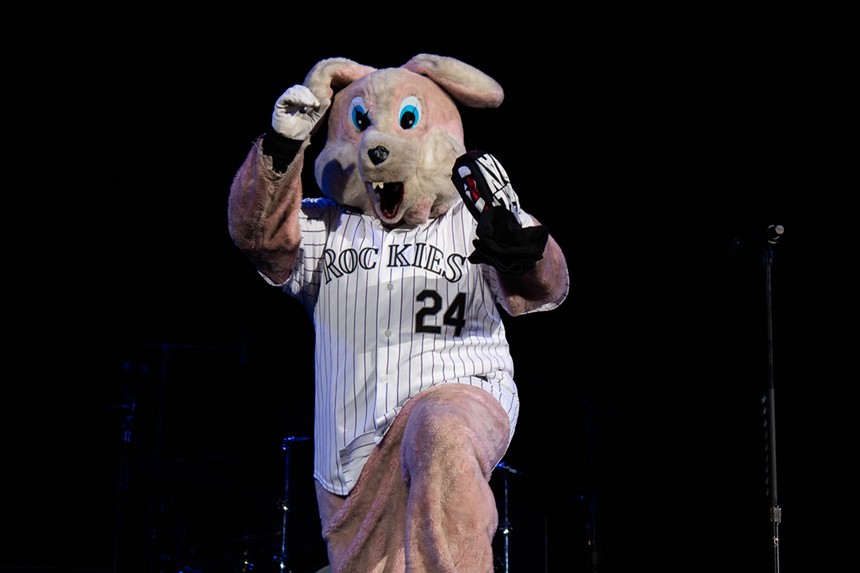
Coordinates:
column 545, row 283
column 529, row 263
column 263, row 212
column 265, row 197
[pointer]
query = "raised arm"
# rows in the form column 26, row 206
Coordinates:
column 266, row 193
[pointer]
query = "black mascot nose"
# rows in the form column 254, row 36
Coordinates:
column 378, row 154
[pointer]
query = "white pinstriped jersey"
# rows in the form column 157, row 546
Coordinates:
column 395, row 312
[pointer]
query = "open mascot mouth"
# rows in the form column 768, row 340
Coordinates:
column 389, row 196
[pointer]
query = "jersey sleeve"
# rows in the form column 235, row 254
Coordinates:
column 318, row 215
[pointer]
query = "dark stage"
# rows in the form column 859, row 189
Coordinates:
column 157, row 390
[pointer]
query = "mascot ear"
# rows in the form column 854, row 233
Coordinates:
column 468, row 85
column 333, row 73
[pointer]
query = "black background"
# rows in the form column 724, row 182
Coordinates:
column 646, row 139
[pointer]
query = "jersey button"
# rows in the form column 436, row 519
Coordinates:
column 390, row 286
column 387, row 334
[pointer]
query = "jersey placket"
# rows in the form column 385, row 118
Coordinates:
column 390, row 304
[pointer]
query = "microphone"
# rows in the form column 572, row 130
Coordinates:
column 773, row 233
column 761, row 238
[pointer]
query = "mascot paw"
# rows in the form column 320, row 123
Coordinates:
column 502, row 242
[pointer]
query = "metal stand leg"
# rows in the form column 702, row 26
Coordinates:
column 505, row 524
column 283, row 560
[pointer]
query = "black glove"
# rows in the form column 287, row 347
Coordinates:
column 281, row 149
column 502, row 240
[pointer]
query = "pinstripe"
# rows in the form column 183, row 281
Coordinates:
column 378, row 299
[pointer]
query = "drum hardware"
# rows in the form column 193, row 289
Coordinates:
column 286, row 445
column 505, row 525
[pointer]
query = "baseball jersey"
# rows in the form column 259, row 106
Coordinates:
column 395, row 311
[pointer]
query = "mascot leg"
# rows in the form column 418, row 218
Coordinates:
column 423, row 502
column 452, row 441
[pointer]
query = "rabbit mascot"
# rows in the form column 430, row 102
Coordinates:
column 405, row 261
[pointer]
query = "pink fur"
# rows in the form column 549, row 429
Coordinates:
column 423, row 502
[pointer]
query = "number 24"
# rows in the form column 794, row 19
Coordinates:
column 452, row 317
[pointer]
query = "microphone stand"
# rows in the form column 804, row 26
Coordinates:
column 765, row 241
column 772, row 235
column 132, row 374
column 126, row 410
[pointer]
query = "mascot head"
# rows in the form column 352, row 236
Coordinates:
column 395, row 133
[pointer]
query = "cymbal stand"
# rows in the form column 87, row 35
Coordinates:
column 286, row 445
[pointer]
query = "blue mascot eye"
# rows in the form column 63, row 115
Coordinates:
column 358, row 114
column 410, row 112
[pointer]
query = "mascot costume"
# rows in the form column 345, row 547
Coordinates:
column 405, row 264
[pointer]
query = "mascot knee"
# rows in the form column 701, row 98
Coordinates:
column 439, row 438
